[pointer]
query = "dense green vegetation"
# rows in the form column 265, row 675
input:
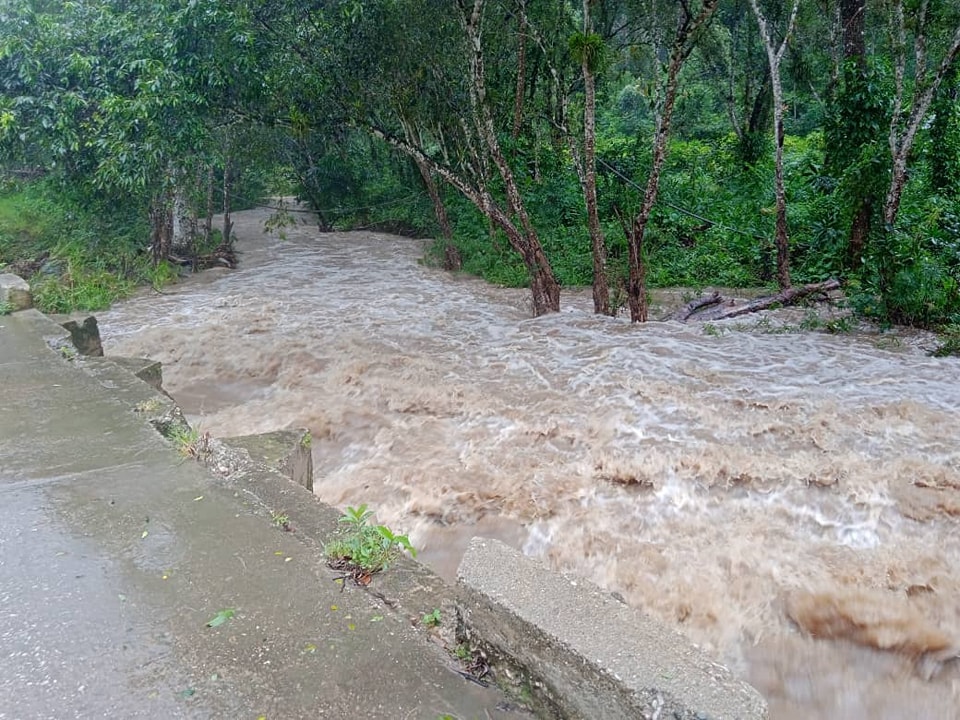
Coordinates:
column 618, row 143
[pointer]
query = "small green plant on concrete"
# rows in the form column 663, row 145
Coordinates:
column 221, row 617
column 280, row 519
column 462, row 651
column 190, row 442
column 362, row 549
column 431, row 619
column 148, row 406
column 6, row 308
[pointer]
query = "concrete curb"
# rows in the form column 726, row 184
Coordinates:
column 581, row 654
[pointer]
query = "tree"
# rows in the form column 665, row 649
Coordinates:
column 115, row 95
column 689, row 26
column 910, row 112
column 774, row 59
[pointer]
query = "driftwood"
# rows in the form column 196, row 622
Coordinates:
column 789, row 296
column 223, row 256
column 684, row 313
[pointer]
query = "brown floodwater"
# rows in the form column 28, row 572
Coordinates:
column 748, row 486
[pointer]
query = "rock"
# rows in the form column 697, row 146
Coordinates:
column 15, row 291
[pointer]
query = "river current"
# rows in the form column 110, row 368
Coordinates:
column 748, row 487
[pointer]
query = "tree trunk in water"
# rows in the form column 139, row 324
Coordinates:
column 774, row 58
column 601, row 292
column 161, row 226
column 789, row 296
column 543, row 284
column 637, row 282
column 451, row 256
column 227, row 189
column 208, row 221
column 181, row 240
column 682, row 47
column 782, row 237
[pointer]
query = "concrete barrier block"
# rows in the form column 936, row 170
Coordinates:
column 150, row 371
column 289, row 451
column 84, row 333
column 15, row 291
column 583, row 655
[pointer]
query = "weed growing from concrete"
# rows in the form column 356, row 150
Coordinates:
column 362, row 549
column 281, row 520
column 431, row 619
column 190, row 442
column 148, row 406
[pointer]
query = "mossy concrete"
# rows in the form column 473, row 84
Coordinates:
column 286, row 450
column 15, row 292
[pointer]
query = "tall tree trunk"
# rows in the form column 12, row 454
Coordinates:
column 774, row 59
column 588, row 61
column 208, row 220
column 853, row 21
column 521, row 73
column 227, row 201
column 853, row 15
column 683, row 43
column 782, row 236
column 904, row 132
column 543, row 284
column 451, row 256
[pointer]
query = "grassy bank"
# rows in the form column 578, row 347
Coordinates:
column 77, row 254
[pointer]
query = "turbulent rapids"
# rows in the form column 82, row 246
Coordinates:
column 790, row 501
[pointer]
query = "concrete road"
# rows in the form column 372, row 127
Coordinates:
column 115, row 553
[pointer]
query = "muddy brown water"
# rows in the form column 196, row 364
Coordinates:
column 747, row 487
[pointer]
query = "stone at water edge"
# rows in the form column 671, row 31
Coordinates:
column 15, row 291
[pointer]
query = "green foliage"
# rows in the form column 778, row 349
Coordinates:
column 6, row 308
column 949, row 337
column 431, row 619
column 188, row 440
column 369, row 548
column 84, row 251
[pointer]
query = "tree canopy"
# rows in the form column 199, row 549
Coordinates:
column 607, row 142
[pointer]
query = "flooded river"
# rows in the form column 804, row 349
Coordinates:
column 743, row 486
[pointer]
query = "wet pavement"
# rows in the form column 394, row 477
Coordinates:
column 115, row 553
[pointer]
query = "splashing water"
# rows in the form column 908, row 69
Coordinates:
column 750, row 489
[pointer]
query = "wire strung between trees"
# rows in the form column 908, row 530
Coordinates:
column 679, row 209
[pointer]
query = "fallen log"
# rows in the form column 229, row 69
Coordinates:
column 684, row 313
column 790, row 296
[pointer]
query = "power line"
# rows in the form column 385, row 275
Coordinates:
column 679, row 209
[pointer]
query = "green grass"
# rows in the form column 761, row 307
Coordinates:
column 88, row 250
